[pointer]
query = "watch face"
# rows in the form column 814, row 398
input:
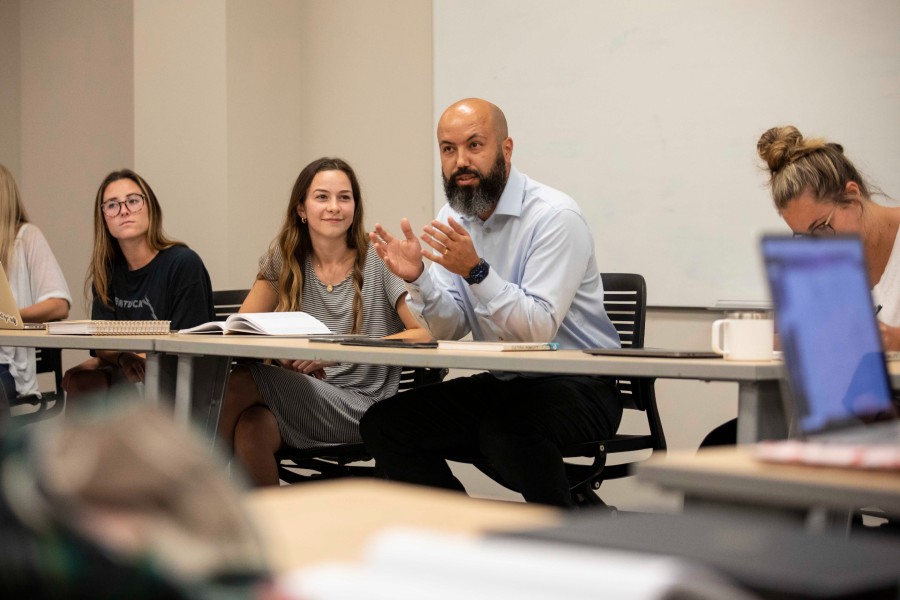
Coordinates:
column 478, row 272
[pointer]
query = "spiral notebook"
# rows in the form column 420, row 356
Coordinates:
column 91, row 327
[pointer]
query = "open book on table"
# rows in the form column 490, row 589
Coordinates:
column 286, row 324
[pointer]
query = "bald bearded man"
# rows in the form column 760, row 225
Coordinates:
column 513, row 260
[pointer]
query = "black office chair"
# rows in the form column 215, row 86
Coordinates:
column 625, row 301
column 228, row 302
column 331, row 462
column 51, row 402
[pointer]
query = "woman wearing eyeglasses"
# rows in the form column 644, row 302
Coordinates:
column 36, row 280
column 136, row 273
column 819, row 192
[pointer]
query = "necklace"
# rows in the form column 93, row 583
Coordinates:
column 329, row 281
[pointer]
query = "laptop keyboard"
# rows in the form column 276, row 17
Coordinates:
column 830, row 454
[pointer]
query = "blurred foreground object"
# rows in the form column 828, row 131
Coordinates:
column 122, row 505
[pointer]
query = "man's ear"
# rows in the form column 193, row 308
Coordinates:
column 507, row 152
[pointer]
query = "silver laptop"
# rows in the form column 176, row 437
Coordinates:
column 837, row 386
column 10, row 318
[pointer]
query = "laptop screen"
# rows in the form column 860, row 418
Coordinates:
column 828, row 332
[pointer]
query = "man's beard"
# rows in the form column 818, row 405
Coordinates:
column 475, row 200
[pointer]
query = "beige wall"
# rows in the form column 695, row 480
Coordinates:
column 10, row 88
column 180, row 136
column 266, row 124
column 76, row 117
column 233, row 99
column 219, row 105
column 368, row 99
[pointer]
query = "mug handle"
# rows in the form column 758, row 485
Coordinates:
column 717, row 335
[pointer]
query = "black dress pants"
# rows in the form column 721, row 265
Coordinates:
column 518, row 426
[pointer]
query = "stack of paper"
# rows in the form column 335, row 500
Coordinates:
column 409, row 564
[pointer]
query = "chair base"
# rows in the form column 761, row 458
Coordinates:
column 324, row 463
column 48, row 406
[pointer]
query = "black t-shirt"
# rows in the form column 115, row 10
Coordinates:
column 174, row 286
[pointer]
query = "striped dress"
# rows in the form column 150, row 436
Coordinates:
column 313, row 412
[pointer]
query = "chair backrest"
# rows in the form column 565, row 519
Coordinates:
column 228, row 302
column 413, row 377
column 625, row 301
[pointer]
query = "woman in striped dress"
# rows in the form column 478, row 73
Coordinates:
column 320, row 264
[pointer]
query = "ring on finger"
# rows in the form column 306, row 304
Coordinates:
column 446, row 250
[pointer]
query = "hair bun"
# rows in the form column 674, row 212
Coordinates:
column 778, row 146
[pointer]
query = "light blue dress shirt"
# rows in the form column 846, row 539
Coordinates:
column 543, row 285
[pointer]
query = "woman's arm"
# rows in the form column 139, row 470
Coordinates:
column 414, row 331
column 890, row 337
column 51, row 309
column 45, row 279
column 262, row 298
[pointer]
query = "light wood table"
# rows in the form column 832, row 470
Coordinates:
column 732, row 475
column 160, row 379
column 759, row 402
column 332, row 520
column 194, row 369
column 36, row 338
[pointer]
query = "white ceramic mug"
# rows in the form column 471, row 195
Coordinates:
column 744, row 336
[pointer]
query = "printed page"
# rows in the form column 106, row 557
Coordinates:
column 211, row 327
column 276, row 324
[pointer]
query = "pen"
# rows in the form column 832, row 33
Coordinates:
column 877, row 310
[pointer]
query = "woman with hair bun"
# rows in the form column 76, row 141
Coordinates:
column 819, row 192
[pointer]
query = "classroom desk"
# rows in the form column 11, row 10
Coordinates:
column 759, row 402
column 36, row 338
column 732, row 475
column 193, row 368
column 306, row 526
column 332, row 520
column 160, row 379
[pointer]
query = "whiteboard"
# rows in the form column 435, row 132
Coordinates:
column 648, row 114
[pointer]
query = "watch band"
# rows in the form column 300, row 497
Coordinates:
column 478, row 272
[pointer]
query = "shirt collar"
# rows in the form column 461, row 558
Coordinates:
column 511, row 199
